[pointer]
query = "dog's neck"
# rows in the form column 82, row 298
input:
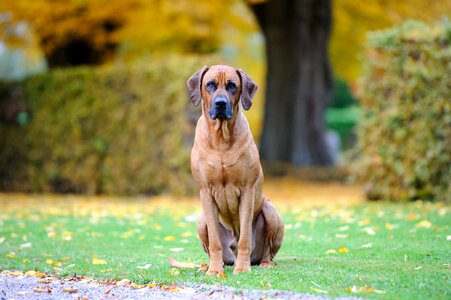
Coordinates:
column 222, row 133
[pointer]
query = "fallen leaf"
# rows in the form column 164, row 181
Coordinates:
column 341, row 236
column 419, row 267
column 331, row 251
column 23, row 293
column 389, row 226
column 366, row 289
column 423, row 224
column 106, row 292
column 42, row 289
column 352, row 289
column 70, row 290
column 343, row 250
column 316, row 290
column 124, row 282
column 11, row 255
column 183, row 265
column 97, row 261
column 2, row 239
column 448, row 237
column 174, row 271
column 26, row 245
column 411, row 217
column 170, row 238
column 176, row 249
column 369, row 230
column 53, row 262
column 186, row 234
column 145, row 267
column 369, row 245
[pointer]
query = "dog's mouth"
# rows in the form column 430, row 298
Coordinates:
column 222, row 113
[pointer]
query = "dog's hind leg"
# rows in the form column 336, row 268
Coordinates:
column 268, row 233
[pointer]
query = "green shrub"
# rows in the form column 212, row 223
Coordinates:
column 113, row 130
column 405, row 130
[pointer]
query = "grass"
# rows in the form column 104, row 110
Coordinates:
column 334, row 248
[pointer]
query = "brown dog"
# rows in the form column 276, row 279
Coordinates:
column 226, row 166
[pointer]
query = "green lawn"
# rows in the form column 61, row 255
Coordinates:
column 380, row 250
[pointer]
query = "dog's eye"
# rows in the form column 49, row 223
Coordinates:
column 211, row 86
column 231, row 86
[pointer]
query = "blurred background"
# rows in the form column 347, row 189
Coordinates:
column 93, row 97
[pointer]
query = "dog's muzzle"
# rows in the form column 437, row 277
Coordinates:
column 220, row 108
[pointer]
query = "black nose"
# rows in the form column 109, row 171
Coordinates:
column 221, row 102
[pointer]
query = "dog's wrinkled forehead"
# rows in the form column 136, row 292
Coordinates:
column 221, row 74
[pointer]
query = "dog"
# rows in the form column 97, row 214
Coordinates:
column 239, row 226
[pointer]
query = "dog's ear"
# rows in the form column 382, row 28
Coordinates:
column 194, row 85
column 248, row 89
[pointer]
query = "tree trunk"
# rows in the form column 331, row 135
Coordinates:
column 298, row 80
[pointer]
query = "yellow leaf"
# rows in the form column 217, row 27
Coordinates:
column 366, row 289
column 343, row 250
column 318, row 290
column 186, row 234
column 331, row 251
column 389, row 226
column 170, row 238
column 411, row 217
column 97, row 261
column 423, row 224
column 30, row 273
column 11, row 255
column 352, row 289
column 25, row 260
column 174, row 271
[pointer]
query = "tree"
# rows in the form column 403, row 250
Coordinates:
column 298, row 81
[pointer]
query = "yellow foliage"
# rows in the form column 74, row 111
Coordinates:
column 353, row 18
column 139, row 26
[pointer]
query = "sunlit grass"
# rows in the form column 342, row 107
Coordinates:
column 340, row 248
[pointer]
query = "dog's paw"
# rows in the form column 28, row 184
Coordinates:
column 266, row 264
column 215, row 270
column 240, row 268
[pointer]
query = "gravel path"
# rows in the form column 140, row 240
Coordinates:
column 16, row 285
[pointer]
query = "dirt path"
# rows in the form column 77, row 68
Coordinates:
column 16, row 285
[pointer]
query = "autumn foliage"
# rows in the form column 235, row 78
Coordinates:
column 115, row 130
column 405, row 129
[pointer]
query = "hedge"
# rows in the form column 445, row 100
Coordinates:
column 113, row 130
column 405, row 129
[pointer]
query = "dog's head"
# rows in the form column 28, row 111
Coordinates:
column 221, row 87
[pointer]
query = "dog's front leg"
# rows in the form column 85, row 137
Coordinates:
column 246, row 209
column 214, row 244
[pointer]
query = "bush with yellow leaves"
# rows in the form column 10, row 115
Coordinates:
column 111, row 130
column 405, row 130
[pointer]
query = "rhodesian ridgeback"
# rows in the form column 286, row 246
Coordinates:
column 239, row 225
